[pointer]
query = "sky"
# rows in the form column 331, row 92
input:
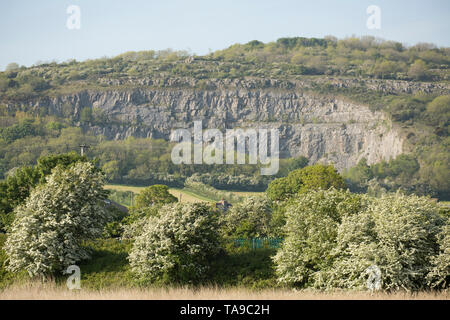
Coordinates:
column 33, row 31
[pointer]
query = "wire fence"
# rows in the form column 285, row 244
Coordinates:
column 259, row 243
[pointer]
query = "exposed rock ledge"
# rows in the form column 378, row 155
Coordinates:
column 320, row 128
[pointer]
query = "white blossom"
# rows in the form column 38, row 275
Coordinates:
column 177, row 245
column 48, row 229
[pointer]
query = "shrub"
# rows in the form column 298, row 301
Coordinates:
column 231, row 181
column 177, row 246
column 398, row 234
column 17, row 187
column 153, row 195
column 243, row 267
column 279, row 189
column 48, row 230
column 440, row 273
column 302, row 180
column 115, row 228
column 439, row 110
column 13, row 192
column 419, row 70
column 148, row 203
column 21, row 130
column 311, row 229
column 249, row 219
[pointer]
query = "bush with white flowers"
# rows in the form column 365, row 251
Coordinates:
column 312, row 221
column 47, row 232
column 177, row 245
column 439, row 277
column 335, row 238
column 397, row 233
column 248, row 219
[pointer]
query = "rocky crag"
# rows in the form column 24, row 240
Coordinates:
column 321, row 127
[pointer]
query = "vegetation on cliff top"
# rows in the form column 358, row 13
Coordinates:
column 284, row 58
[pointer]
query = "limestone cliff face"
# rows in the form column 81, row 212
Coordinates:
column 321, row 128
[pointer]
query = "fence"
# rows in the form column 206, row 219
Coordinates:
column 259, row 243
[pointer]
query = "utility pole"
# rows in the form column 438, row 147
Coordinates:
column 83, row 146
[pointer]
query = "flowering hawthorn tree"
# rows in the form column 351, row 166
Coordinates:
column 47, row 232
column 177, row 245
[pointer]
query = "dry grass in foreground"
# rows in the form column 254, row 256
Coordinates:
column 49, row 291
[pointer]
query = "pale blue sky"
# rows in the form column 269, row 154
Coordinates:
column 33, row 30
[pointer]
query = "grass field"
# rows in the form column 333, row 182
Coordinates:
column 445, row 203
column 49, row 291
column 185, row 195
column 246, row 193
